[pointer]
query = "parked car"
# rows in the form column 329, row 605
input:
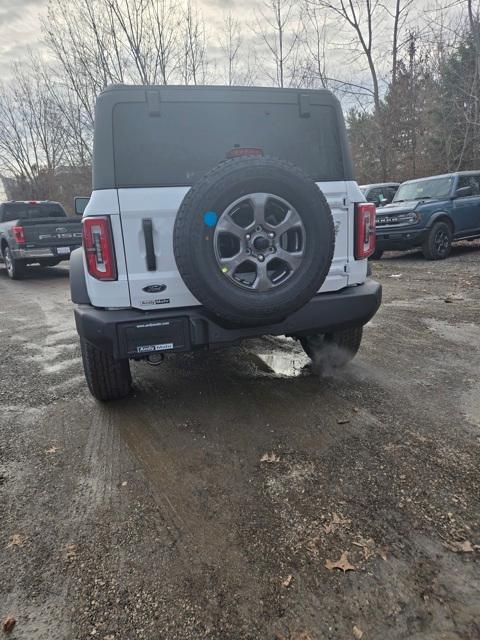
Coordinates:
column 431, row 213
column 380, row 194
column 36, row 232
column 213, row 218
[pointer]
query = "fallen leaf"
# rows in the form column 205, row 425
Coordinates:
column 343, row 564
column 343, row 421
column 395, row 275
column 313, row 544
column 288, row 581
column 357, row 633
column 270, row 457
column 124, row 483
column 460, row 547
column 16, row 540
column 368, row 547
column 52, row 450
column 8, row 623
column 71, row 551
column 336, row 522
column 303, row 635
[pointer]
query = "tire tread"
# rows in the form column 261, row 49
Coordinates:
column 107, row 378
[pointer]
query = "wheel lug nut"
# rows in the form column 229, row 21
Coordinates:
column 259, row 228
column 271, row 235
column 247, row 236
column 261, row 258
column 272, row 249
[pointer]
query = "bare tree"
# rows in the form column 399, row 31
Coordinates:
column 399, row 19
column 278, row 25
column 165, row 20
column 230, row 43
column 315, row 45
column 32, row 132
column 194, row 62
column 361, row 17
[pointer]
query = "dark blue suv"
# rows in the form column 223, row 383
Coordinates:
column 431, row 213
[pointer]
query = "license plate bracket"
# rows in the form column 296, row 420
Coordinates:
column 155, row 336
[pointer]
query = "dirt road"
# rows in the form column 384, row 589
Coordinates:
column 155, row 518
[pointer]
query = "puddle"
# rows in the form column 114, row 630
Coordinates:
column 282, row 364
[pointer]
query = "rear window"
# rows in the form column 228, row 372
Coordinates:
column 27, row 211
column 189, row 138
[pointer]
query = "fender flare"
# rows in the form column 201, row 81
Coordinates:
column 78, row 284
column 440, row 214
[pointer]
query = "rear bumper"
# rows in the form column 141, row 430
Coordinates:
column 136, row 334
column 400, row 240
column 39, row 253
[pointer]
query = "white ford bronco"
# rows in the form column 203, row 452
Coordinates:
column 219, row 214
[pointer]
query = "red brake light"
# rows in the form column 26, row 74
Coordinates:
column 19, row 235
column 98, row 246
column 365, row 218
column 240, row 152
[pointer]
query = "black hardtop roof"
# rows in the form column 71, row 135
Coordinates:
column 116, row 116
column 218, row 89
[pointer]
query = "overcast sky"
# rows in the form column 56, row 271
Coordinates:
column 19, row 29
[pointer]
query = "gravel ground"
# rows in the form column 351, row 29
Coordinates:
column 155, row 517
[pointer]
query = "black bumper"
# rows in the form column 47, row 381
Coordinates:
column 136, row 334
column 400, row 240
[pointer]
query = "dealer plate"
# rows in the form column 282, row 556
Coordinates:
column 63, row 251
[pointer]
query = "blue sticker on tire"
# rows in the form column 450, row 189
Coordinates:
column 210, row 218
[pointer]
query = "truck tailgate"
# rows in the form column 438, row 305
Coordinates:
column 51, row 232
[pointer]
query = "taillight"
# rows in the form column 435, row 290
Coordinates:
column 365, row 214
column 241, row 152
column 19, row 235
column 98, row 246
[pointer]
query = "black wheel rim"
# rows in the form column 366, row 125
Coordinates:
column 441, row 242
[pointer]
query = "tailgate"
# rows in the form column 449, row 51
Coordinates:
column 52, row 233
column 163, row 287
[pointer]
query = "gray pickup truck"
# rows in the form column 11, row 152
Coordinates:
column 36, row 232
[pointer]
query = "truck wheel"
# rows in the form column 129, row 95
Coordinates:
column 15, row 268
column 377, row 254
column 333, row 349
column 107, row 378
column 438, row 243
column 254, row 240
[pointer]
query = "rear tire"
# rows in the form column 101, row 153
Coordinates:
column 15, row 268
column 107, row 378
column 438, row 243
column 333, row 350
column 377, row 254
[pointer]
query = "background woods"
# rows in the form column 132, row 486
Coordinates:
column 407, row 74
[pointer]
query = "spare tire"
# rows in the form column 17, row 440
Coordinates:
column 254, row 240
